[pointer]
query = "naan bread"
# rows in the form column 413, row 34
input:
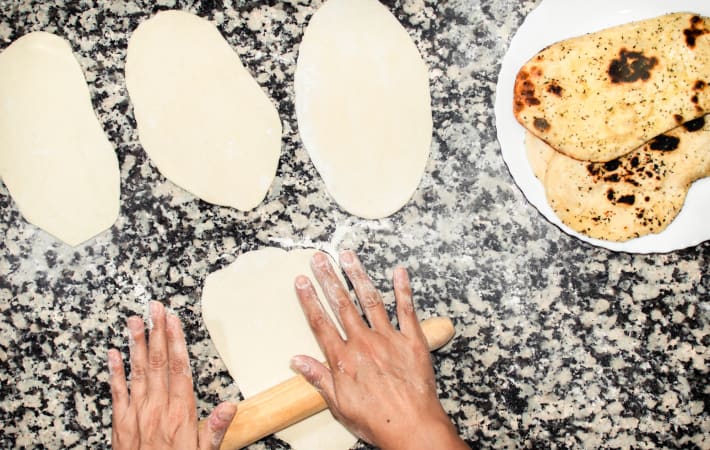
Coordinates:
column 599, row 96
column 539, row 155
column 635, row 195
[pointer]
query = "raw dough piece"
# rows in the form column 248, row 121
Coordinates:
column 253, row 316
column 363, row 106
column 55, row 159
column 202, row 119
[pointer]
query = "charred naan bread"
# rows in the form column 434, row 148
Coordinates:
column 635, row 195
column 599, row 96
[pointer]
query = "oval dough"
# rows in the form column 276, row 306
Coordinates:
column 202, row 119
column 363, row 106
column 253, row 316
column 55, row 159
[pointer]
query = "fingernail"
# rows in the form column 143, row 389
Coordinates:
column 400, row 274
column 113, row 360
column 226, row 411
column 347, row 257
column 155, row 308
column 173, row 322
column 300, row 366
column 221, row 420
column 320, row 260
column 302, row 282
column 134, row 324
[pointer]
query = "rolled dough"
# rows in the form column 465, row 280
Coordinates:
column 363, row 106
column 253, row 316
column 55, row 159
column 202, row 118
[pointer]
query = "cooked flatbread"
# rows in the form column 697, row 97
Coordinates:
column 539, row 155
column 635, row 195
column 599, row 96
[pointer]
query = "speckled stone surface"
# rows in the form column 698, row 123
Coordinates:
column 559, row 344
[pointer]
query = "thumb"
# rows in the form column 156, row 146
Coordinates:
column 317, row 374
column 211, row 435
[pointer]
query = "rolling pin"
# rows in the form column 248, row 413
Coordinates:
column 295, row 399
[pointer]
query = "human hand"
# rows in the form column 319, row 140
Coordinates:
column 160, row 412
column 380, row 382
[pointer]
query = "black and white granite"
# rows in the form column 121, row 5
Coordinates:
column 559, row 345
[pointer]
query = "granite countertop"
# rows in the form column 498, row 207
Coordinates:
column 559, row 344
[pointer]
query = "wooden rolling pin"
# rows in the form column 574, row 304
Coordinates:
column 295, row 399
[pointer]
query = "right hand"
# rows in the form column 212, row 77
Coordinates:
column 380, row 382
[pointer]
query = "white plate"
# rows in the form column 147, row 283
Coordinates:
column 552, row 21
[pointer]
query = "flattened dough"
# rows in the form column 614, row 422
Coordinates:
column 253, row 316
column 55, row 159
column 202, row 119
column 363, row 106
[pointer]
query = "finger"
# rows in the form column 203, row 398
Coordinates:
column 157, row 356
column 406, row 315
column 179, row 374
column 368, row 296
column 117, row 381
column 322, row 327
column 336, row 294
column 212, row 434
column 139, row 359
column 318, row 375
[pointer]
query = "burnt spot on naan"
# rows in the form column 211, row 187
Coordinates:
column 643, row 165
column 632, row 171
column 626, row 199
column 524, row 92
column 612, row 165
column 698, row 86
column 695, row 101
column 695, row 125
column 664, row 143
column 696, row 29
column 554, row 88
column 678, row 118
column 541, row 124
column 631, row 66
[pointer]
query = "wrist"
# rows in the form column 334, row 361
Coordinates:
column 438, row 433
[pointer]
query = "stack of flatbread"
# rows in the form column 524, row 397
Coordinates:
column 616, row 123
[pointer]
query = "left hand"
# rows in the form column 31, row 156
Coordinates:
column 160, row 411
